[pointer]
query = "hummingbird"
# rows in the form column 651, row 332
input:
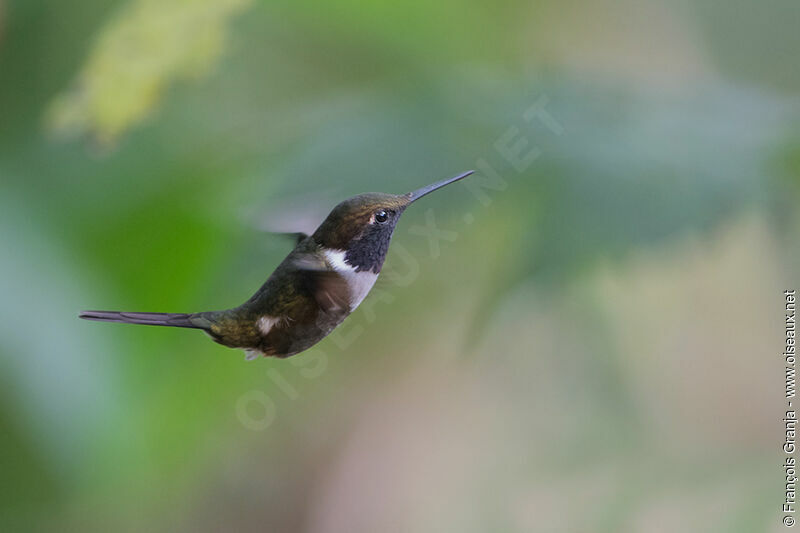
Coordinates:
column 322, row 280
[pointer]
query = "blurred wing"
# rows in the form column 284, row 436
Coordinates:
column 301, row 214
column 297, row 236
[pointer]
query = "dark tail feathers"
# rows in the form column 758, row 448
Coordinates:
column 178, row 320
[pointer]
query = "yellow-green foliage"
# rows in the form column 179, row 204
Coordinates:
column 147, row 46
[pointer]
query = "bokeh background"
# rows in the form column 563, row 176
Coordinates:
column 593, row 345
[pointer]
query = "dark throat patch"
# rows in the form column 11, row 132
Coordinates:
column 369, row 251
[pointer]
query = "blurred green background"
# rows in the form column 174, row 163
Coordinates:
column 594, row 347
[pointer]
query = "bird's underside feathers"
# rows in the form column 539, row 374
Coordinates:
column 310, row 293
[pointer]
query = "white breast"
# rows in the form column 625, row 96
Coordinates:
column 359, row 283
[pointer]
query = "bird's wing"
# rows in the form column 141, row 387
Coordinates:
column 296, row 236
column 328, row 287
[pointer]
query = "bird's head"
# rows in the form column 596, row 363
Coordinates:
column 362, row 226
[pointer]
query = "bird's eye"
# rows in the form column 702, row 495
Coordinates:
column 381, row 216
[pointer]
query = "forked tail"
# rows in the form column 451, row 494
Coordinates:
column 177, row 320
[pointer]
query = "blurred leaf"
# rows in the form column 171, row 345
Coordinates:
column 147, row 46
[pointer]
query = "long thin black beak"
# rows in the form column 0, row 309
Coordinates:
column 422, row 191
